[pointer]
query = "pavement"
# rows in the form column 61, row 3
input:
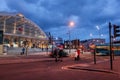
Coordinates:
column 10, row 59
column 102, row 62
column 102, row 65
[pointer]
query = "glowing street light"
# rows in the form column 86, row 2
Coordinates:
column 98, row 28
column 91, row 35
column 71, row 23
column 102, row 35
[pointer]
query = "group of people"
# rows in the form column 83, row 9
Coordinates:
column 58, row 54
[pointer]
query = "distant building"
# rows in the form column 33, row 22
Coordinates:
column 58, row 40
column 72, row 44
column 88, row 42
column 54, row 41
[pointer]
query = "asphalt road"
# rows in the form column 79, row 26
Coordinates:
column 48, row 69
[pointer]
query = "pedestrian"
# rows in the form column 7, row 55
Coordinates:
column 60, row 53
column 77, row 54
column 56, row 54
column 23, row 51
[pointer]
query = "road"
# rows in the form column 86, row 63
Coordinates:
column 47, row 69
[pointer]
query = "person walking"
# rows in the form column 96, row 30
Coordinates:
column 23, row 51
column 56, row 54
column 77, row 54
column 60, row 54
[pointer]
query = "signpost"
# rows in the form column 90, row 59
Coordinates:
column 116, row 33
column 93, row 47
column 110, row 37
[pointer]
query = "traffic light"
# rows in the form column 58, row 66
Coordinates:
column 116, row 30
column 116, row 42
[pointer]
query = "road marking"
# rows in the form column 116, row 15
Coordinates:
column 83, row 64
column 76, row 65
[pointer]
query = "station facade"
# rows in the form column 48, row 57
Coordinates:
column 18, row 31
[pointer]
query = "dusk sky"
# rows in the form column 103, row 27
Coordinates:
column 91, row 17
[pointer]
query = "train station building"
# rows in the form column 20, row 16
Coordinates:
column 18, row 31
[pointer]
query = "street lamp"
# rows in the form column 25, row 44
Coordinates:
column 91, row 35
column 102, row 35
column 98, row 28
column 4, row 24
column 71, row 24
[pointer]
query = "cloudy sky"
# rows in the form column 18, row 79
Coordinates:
column 91, row 17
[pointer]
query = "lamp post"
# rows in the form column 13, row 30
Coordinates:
column 71, row 24
column 98, row 28
column 4, row 23
column 4, row 27
column 91, row 35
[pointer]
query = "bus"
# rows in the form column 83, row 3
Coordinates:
column 104, row 49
